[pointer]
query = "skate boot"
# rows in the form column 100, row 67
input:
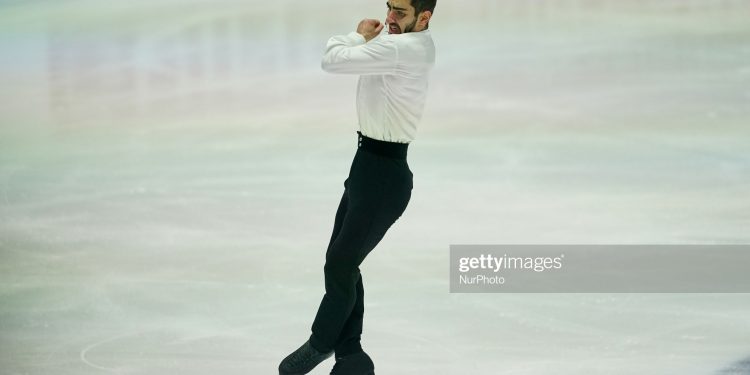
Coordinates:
column 302, row 360
column 354, row 364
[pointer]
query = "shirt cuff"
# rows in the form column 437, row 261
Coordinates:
column 356, row 38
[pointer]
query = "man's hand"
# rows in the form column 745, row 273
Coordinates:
column 369, row 28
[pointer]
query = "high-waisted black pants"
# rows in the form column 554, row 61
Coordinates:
column 376, row 193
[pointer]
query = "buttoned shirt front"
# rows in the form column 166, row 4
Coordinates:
column 392, row 89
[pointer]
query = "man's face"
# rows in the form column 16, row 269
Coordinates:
column 400, row 17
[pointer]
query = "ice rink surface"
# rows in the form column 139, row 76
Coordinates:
column 170, row 171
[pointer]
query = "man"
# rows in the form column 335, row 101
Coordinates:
column 391, row 94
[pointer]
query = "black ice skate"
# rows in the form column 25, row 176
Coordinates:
column 302, row 360
column 354, row 364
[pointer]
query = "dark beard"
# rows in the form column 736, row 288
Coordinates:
column 410, row 28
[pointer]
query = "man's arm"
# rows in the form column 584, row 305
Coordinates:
column 355, row 54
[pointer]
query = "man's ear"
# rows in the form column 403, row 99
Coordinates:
column 424, row 19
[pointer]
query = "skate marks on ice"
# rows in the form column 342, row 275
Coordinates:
column 84, row 352
column 169, row 349
column 741, row 367
column 190, row 344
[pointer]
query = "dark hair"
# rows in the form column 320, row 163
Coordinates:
column 422, row 5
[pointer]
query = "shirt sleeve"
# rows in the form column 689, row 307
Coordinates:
column 352, row 54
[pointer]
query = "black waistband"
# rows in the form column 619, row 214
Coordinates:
column 383, row 148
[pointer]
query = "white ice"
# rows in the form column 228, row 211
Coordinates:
column 169, row 173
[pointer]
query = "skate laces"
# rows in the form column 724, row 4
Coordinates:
column 301, row 356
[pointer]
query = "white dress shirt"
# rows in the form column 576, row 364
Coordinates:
column 392, row 87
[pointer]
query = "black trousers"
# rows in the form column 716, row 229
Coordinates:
column 376, row 193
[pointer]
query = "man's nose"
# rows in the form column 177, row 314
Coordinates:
column 389, row 18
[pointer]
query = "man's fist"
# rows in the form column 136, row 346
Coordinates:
column 369, row 28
